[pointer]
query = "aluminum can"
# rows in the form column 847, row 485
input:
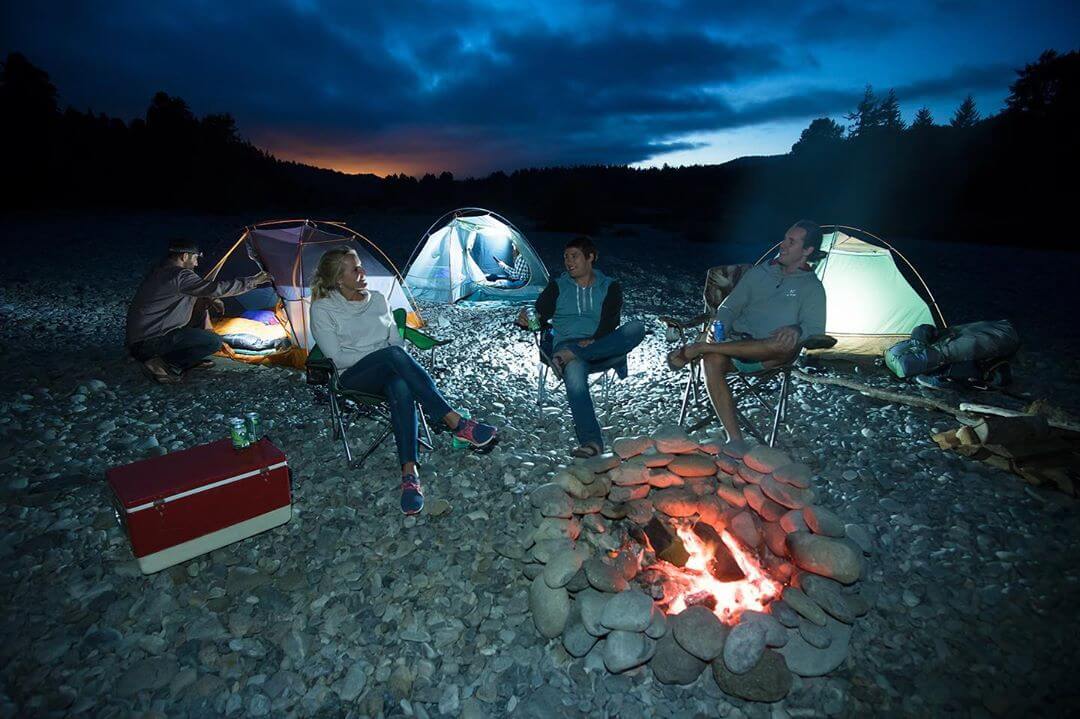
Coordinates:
column 534, row 319
column 238, row 432
column 718, row 331
column 254, row 427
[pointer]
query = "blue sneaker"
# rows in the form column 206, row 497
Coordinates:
column 412, row 496
column 475, row 433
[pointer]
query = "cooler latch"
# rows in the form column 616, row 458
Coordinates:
column 264, row 472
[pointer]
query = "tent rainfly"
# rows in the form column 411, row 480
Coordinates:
column 290, row 250
column 457, row 255
column 874, row 296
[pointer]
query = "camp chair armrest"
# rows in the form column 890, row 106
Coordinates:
column 818, row 342
column 692, row 323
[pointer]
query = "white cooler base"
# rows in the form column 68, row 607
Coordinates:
column 215, row 540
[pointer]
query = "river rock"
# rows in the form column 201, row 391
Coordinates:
column 657, row 460
column 604, row 577
column 765, row 507
column 629, row 610
column 807, row 660
column 828, row 595
column 744, row 647
column 591, row 605
column 571, row 485
column 592, row 505
column 673, row 440
column 674, row 665
column 549, row 493
column 828, row 557
column 748, row 475
column 737, row 448
column 628, row 475
column 731, row 495
column 675, row 502
column 765, row 459
column 815, row 636
column 556, row 528
column 727, row 465
column 784, row 614
column 661, row 478
column 563, row 566
column 627, row 494
column 767, row 681
column 804, row 605
column 821, row 521
column 776, row 634
column 626, row 650
column 775, row 538
column 658, row 624
column 793, row 522
column 797, row 475
column 699, row 632
column 545, row 549
column 745, row 528
column 785, row 494
column 627, row 447
column 601, row 463
column 692, row 465
column 550, row 607
column 577, row 640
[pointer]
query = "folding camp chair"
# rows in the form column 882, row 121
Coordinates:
column 347, row 406
column 768, row 388
column 607, row 371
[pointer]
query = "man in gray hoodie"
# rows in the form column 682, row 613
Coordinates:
column 158, row 334
column 583, row 308
column 770, row 312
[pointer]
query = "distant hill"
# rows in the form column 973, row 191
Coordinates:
column 1007, row 179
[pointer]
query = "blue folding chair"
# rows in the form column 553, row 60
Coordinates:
column 607, row 371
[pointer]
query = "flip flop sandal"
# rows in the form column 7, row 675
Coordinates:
column 586, row 451
column 681, row 354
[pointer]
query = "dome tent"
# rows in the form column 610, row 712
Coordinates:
column 290, row 250
column 456, row 255
column 874, row 296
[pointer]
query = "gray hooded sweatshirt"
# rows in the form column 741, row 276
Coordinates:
column 766, row 299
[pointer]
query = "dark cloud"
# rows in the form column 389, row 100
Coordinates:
column 474, row 85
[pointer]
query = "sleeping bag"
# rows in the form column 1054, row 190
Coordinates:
column 249, row 335
column 929, row 350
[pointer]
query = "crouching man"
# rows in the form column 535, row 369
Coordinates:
column 583, row 308
column 158, row 319
column 769, row 313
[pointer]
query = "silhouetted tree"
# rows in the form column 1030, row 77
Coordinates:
column 966, row 115
column 923, row 119
column 866, row 116
column 889, row 113
column 1049, row 86
column 822, row 134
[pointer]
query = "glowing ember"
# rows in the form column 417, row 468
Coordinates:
column 694, row 584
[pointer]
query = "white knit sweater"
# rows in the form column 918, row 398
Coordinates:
column 347, row 330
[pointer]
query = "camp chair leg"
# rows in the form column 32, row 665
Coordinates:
column 542, row 389
column 691, row 385
column 379, row 439
column 425, row 437
column 339, row 429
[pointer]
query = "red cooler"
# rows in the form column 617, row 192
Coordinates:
column 180, row 505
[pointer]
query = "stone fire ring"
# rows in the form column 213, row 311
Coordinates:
column 586, row 566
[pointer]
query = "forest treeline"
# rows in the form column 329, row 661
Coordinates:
column 1007, row 178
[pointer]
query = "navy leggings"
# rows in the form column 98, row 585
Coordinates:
column 394, row 374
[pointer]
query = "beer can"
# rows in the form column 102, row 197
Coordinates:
column 254, row 427
column 534, row 320
column 238, row 432
column 718, row 331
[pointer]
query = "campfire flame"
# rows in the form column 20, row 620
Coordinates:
column 754, row 591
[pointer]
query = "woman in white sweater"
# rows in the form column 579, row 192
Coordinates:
column 353, row 326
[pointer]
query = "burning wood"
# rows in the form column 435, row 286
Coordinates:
column 665, row 543
column 722, row 565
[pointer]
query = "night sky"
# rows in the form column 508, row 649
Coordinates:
column 473, row 87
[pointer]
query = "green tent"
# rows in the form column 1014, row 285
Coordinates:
column 874, row 296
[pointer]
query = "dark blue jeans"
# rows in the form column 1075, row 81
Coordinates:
column 184, row 347
column 593, row 359
column 394, row 374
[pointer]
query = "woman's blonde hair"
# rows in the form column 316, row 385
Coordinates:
column 329, row 272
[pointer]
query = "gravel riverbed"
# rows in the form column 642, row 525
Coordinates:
column 352, row 610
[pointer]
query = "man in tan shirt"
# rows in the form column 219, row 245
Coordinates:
column 158, row 334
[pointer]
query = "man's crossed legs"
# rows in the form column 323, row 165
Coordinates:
column 720, row 358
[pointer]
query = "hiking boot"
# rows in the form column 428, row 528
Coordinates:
column 475, row 433
column 412, row 496
column 160, row 371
